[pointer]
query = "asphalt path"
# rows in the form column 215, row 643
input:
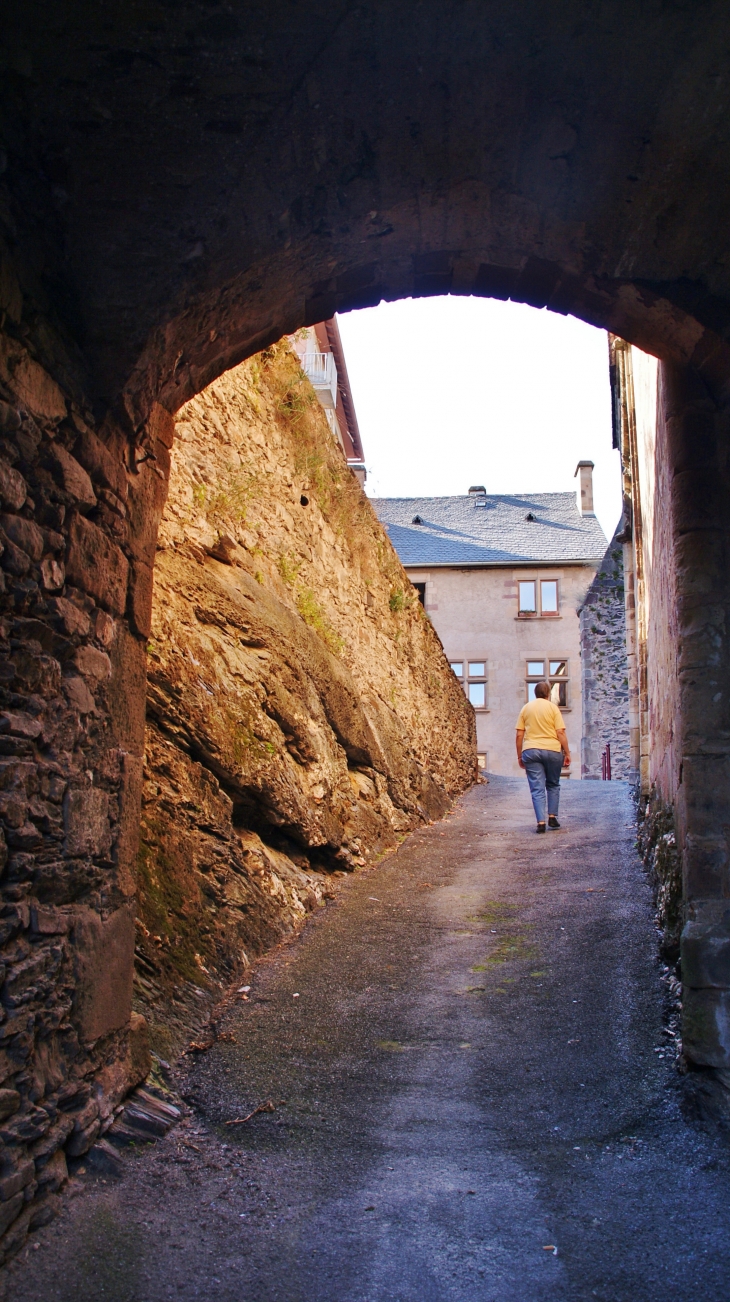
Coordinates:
column 475, row 1098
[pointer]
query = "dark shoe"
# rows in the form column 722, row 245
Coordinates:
column 553, row 822
column 540, row 827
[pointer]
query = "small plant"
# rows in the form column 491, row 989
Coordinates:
column 289, row 569
column 296, row 402
column 199, row 492
column 312, row 614
column 258, row 576
column 397, row 600
column 229, row 503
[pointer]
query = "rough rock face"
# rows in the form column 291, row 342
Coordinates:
column 605, row 670
column 301, row 713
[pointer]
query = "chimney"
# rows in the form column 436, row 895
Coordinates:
column 585, row 491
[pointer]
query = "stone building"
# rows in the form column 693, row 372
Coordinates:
column 504, row 579
column 604, row 671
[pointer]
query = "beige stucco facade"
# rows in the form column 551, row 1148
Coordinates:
column 475, row 613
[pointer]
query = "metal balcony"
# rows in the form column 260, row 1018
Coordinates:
column 321, row 371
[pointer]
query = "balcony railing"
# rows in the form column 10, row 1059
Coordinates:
column 321, row 370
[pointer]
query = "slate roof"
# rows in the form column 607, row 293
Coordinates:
column 455, row 531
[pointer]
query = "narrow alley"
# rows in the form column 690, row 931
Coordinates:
column 474, row 1098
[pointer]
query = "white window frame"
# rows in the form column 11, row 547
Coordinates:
column 466, row 678
column 538, row 612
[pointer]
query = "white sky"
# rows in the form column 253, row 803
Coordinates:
column 457, row 391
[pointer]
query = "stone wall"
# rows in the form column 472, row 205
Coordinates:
column 649, row 554
column 80, row 505
column 301, row 713
column 604, row 670
column 677, row 500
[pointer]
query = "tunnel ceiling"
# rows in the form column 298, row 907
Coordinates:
column 187, row 181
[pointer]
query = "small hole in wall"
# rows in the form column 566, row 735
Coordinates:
column 304, row 501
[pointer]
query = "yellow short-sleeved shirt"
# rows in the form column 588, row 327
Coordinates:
column 540, row 720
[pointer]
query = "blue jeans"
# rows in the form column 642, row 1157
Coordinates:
column 543, row 768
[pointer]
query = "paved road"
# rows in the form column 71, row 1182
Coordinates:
column 475, row 1110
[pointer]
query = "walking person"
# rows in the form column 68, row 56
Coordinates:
column 543, row 751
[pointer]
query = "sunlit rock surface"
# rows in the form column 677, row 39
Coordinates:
column 301, row 714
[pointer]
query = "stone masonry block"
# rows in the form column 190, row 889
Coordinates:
column 128, row 688
column 101, row 464
column 705, row 861
column 96, row 565
column 86, row 822
column 13, row 490
column 706, row 780
column 24, row 534
column 161, row 425
column 147, row 497
column 127, row 844
column 706, row 1027
column 74, row 478
column 78, row 695
column 92, row 664
column 32, row 385
column 706, row 954
column 46, row 920
column 140, row 590
column 103, row 950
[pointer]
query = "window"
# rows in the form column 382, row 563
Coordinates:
column 472, row 674
column 528, row 600
column 548, row 596
column 476, row 684
column 421, row 590
column 528, row 597
column 557, row 676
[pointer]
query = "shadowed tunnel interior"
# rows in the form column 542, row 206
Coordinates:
column 189, row 182
column 184, row 183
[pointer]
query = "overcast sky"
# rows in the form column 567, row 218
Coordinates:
column 451, row 392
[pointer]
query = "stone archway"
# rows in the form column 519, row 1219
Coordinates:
column 203, row 181
column 183, row 190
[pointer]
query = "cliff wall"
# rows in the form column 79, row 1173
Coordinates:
column 301, row 713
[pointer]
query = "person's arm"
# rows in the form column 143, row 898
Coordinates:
column 563, row 739
column 519, row 738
